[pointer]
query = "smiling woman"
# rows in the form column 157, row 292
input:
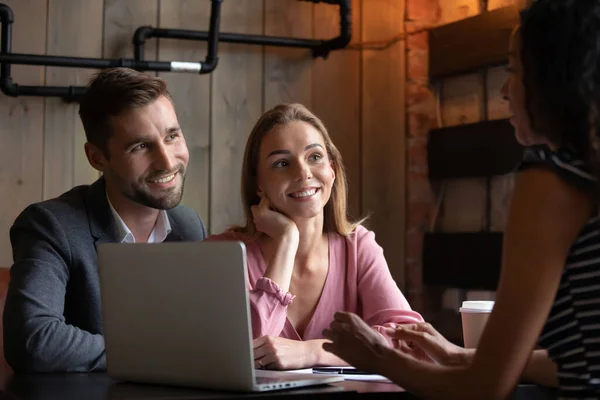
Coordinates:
column 306, row 259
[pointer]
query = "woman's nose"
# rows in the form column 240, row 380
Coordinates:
column 304, row 172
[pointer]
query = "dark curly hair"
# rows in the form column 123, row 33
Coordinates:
column 560, row 52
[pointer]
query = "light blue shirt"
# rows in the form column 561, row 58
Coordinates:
column 161, row 230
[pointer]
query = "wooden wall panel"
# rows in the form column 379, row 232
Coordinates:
column 471, row 43
column 463, row 206
column 497, row 106
column 236, row 104
column 462, row 100
column 22, row 127
column 464, row 202
column 288, row 71
column 494, row 4
column 336, row 94
column 501, row 187
column 383, row 127
column 121, row 19
column 74, row 29
column 454, row 10
column 191, row 94
column 501, row 190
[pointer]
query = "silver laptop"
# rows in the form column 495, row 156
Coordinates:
column 178, row 314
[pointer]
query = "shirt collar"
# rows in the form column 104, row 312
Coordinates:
column 159, row 233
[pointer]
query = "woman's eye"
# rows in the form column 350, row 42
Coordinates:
column 315, row 157
column 280, row 163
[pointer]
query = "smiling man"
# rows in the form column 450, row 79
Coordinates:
column 52, row 316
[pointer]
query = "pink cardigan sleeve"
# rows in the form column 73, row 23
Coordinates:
column 268, row 303
column 382, row 303
column 268, row 308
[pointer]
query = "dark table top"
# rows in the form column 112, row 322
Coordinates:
column 99, row 386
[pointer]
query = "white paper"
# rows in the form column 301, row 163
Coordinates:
column 364, row 377
column 347, row 377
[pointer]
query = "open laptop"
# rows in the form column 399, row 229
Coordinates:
column 178, row 313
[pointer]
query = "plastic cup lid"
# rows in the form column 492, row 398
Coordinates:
column 477, row 306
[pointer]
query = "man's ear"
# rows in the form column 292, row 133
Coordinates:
column 95, row 156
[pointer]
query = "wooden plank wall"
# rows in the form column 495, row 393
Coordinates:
column 22, row 125
column 480, row 204
column 384, row 150
column 359, row 94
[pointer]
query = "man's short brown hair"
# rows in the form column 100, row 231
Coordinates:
column 112, row 92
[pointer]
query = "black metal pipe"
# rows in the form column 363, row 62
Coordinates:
column 6, row 20
column 345, row 35
column 81, row 62
column 211, row 61
column 185, row 34
column 139, row 37
column 68, row 93
column 213, row 36
column 73, row 93
column 8, row 87
column 320, row 48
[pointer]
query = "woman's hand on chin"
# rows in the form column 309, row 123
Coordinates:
column 271, row 222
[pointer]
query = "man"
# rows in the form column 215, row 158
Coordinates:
column 52, row 317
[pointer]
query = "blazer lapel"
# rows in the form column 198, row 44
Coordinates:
column 174, row 236
column 102, row 225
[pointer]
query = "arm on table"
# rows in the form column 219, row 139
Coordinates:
column 537, row 240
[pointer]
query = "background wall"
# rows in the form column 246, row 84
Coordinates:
column 359, row 93
column 458, row 205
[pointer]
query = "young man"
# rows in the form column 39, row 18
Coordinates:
column 52, row 317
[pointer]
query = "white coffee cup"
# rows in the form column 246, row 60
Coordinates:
column 474, row 315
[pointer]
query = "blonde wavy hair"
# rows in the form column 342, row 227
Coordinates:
column 335, row 218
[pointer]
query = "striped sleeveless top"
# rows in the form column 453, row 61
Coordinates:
column 571, row 334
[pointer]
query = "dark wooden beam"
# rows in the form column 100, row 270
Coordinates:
column 475, row 150
column 462, row 260
column 471, row 43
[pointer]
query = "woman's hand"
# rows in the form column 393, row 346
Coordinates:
column 355, row 342
column 285, row 236
column 272, row 352
column 270, row 221
column 423, row 342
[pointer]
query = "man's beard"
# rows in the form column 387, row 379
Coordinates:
column 170, row 199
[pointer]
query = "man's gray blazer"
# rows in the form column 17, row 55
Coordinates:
column 52, row 317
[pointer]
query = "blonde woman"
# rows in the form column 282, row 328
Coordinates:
column 306, row 260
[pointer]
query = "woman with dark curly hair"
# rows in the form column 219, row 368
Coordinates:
column 549, row 289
